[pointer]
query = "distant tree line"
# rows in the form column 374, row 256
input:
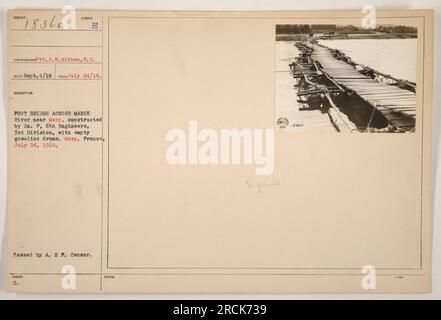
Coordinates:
column 353, row 29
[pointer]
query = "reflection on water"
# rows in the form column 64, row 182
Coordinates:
column 396, row 57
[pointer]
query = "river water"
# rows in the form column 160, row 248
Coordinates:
column 287, row 106
column 397, row 57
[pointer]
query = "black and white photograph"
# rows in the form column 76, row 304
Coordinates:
column 345, row 78
column 223, row 159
